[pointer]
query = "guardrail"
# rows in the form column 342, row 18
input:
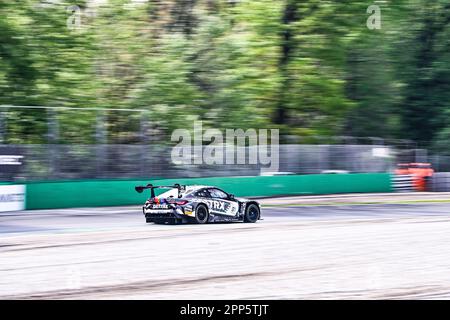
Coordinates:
column 403, row 182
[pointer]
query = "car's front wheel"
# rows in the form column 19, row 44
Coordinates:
column 251, row 213
column 201, row 214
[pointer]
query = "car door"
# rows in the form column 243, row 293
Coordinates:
column 220, row 203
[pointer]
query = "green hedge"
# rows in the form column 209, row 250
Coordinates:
column 92, row 193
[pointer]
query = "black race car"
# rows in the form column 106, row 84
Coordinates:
column 197, row 204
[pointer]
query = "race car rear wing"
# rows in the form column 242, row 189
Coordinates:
column 152, row 188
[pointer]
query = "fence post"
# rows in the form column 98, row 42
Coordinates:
column 144, row 142
column 101, row 140
column 53, row 139
column 3, row 125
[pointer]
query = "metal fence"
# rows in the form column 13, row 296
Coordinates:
column 440, row 182
column 108, row 161
column 56, row 160
column 440, row 163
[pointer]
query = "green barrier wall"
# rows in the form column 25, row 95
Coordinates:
column 67, row 194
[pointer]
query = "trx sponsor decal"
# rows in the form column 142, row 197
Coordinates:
column 217, row 205
column 223, row 207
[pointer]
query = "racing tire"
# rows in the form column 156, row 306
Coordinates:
column 251, row 213
column 201, row 214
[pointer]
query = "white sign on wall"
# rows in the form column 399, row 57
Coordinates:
column 12, row 198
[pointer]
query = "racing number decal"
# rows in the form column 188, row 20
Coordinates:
column 223, row 207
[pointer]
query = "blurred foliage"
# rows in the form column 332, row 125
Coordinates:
column 311, row 68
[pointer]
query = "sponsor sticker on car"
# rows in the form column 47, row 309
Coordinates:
column 160, row 206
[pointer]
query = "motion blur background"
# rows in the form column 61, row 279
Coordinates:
column 94, row 89
column 91, row 92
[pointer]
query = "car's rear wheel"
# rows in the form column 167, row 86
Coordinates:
column 201, row 214
column 251, row 213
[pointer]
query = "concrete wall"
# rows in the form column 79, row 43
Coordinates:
column 91, row 193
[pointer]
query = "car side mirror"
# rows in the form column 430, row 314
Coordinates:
column 231, row 196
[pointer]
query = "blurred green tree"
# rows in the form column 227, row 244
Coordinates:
column 311, row 68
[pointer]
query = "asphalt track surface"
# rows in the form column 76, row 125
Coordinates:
column 393, row 251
